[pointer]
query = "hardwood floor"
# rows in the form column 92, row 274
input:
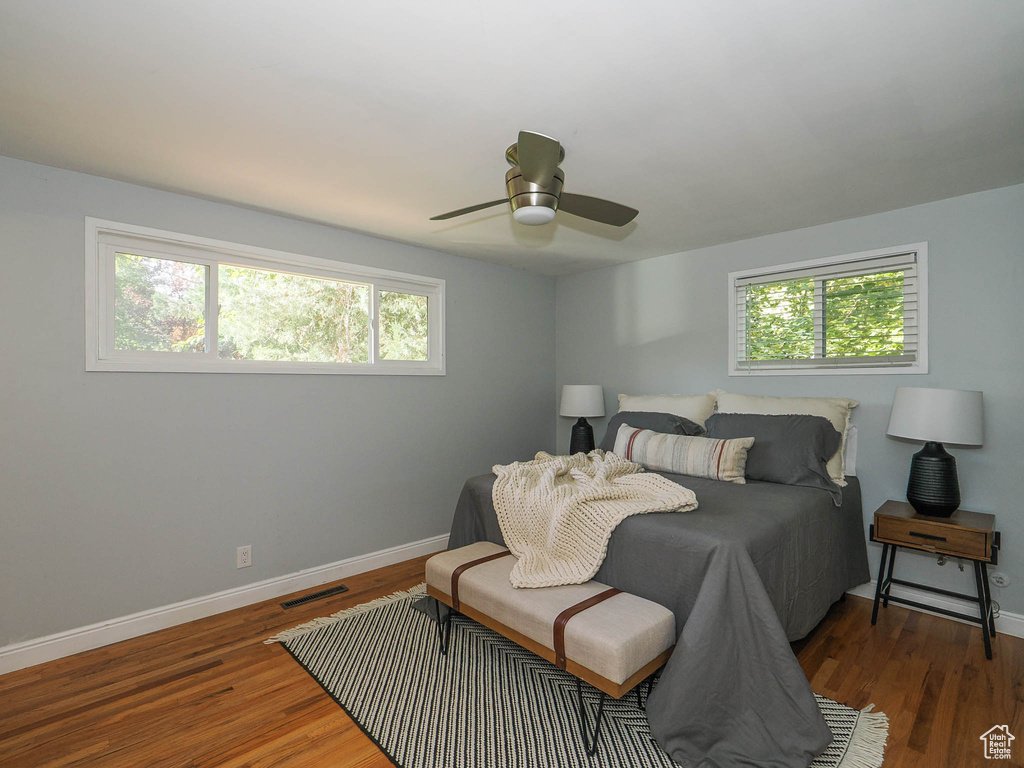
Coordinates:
column 929, row 674
column 210, row 693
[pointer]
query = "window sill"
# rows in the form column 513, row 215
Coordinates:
column 885, row 370
column 260, row 366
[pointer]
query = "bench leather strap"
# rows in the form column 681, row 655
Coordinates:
column 563, row 618
column 465, row 567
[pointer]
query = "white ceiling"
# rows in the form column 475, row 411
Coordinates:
column 719, row 119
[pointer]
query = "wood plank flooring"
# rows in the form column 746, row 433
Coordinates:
column 929, row 674
column 210, row 693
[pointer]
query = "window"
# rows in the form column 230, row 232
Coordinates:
column 160, row 301
column 859, row 313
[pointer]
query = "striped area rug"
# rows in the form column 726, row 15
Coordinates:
column 491, row 703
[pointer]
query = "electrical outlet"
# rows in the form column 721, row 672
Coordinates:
column 999, row 579
column 243, row 556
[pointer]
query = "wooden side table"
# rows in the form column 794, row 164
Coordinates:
column 967, row 535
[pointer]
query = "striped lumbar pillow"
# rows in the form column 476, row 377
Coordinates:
column 683, row 454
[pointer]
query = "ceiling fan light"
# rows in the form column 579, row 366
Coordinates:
column 534, row 215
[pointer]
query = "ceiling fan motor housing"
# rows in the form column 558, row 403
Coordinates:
column 535, row 202
column 522, row 193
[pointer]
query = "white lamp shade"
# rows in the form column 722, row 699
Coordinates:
column 940, row 415
column 582, row 400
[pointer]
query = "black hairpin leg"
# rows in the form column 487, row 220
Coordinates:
column 984, row 608
column 888, row 577
column 641, row 694
column 444, row 629
column 988, row 600
column 589, row 742
column 880, row 582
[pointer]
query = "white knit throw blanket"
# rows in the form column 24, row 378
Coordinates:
column 558, row 512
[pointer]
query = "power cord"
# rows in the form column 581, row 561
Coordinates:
column 942, row 560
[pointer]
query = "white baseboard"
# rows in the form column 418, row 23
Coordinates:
column 61, row 644
column 1006, row 623
column 56, row 646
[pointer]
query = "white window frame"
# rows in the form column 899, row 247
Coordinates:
column 835, row 366
column 103, row 238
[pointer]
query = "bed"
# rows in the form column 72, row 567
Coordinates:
column 754, row 567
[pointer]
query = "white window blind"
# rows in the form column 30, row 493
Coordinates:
column 855, row 313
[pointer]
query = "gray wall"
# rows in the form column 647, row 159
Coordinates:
column 660, row 326
column 121, row 492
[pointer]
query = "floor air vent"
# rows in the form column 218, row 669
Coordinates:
column 315, row 596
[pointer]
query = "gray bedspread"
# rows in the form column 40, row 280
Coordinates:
column 753, row 567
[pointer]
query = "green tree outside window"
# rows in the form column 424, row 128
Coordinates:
column 863, row 317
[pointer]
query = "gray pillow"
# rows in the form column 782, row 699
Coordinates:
column 791, row 449
column 667, row 423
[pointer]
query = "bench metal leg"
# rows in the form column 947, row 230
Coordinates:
column 444, row 629
column 641, row 694
column 589, row 742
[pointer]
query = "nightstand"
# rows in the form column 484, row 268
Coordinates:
column 967, row 535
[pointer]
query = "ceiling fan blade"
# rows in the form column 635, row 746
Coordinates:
column 461, row 211
column 596, row 209
column 539, row 156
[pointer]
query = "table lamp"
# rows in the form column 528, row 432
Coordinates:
column 582, row 400
column 936, row 416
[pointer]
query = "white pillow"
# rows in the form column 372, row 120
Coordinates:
column 850, row 452
column 693, row 407
column 835, row 409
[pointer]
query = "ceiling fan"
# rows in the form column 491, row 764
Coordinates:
column 534, row 187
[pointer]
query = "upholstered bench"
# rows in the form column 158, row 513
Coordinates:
column 610, row 639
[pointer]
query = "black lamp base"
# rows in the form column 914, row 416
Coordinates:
column 582, row 440
column 933, row 488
